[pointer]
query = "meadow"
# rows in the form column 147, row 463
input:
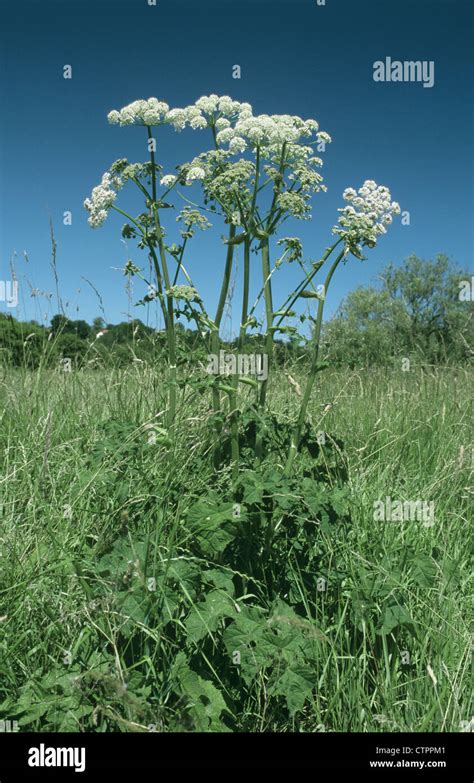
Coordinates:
column 124, row 606
column 212, row 537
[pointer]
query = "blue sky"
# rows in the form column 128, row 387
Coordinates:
column 296, row 57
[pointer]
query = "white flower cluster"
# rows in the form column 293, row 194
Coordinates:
column 233, row 121
column 191, row 116
column 210, row 110
column 268, row 131
column 168, row 180
column 195, row 172
column 223, row 104
column 369, row 211
column 143, row 112
column 197, row 115
column 192, row 218
column 102, row 198
column 295, row 204
column 279, row 138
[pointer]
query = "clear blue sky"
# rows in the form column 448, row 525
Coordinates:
column 296, row 57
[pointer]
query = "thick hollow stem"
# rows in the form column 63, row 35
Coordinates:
column 234, row 415
column 268, row 338
column 245, row 294
column 170, row 330
column 215, row 343
column 296, row 435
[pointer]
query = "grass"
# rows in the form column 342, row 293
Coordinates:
column 82, row 483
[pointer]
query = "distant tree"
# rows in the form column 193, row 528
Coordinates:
column 127, row 331
column 80, row 328
column 70, row 345
column 417, row 311
column 59, row 324
column 21, row 343
column 98, row 324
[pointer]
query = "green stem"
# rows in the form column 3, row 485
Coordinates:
column 129, row 217
column 180, row 261
column 277, row 190
column 288, row 304
column 245, row 294
column 255, row 188
column 169, row 299
column 215, row 343
column 268, row 337
column 296, row 435
column 235, row 448
column 159, row 283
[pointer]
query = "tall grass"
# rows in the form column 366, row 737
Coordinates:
column 81, row 479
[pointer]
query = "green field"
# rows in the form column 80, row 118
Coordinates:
column 113, row 620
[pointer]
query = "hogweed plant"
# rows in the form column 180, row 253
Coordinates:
column 225, row 586
column 260, row 171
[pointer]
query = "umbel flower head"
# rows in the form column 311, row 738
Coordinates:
column 293, row 248
column 365, row 218
column 102, row 198
column 143, row 112
column 268, row 131
column 234, row 123
column 192, row 218
column 168, row 180
column 283, row 143
column 206, row 111
column 209, row 111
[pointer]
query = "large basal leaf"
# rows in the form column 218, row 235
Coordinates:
column 296, row 685
column 247, row 636
column 204, row 618
column 423, row 571
column 394, row 616
column 219, row 578
column 213, row 525
column 205, row 702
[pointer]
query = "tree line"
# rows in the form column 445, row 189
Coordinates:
column 416, row 311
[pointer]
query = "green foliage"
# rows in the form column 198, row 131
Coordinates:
column 166, row 602
column 417, row 312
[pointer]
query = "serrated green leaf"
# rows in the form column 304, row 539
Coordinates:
column 213, row 524
column 296, row 685
column 423, row 571
column 221, row 579
column 204, row 618
column 205, row 702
